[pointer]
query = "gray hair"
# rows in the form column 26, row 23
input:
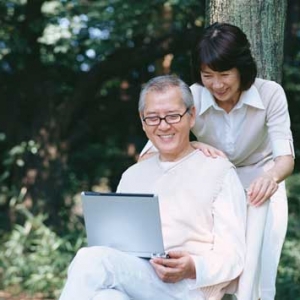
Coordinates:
column 163, row 83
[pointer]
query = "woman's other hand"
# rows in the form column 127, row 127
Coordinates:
column 261, row 189
column 264, row 186
column 208, row 150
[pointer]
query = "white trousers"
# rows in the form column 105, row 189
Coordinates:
column 266, row 230
column 108, row 274
column 274, row 236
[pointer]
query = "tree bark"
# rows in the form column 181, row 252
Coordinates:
column 263, row 21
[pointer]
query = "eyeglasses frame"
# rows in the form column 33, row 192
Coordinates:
column 165, row 118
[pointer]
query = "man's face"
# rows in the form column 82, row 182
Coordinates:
column 172, row 140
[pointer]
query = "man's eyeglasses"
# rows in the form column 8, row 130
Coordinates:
column 170, row 119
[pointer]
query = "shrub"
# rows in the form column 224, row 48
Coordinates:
column 288, row 280
column 34, row 258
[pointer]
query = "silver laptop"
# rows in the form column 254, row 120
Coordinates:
column 127, row 222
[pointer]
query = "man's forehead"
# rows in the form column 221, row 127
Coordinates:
column 168, row 105
column 168, row 96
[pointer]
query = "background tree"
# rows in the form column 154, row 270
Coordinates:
column 264, row 24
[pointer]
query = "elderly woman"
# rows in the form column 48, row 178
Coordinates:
column 247, row 119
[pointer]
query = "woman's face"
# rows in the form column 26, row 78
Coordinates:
column 224, row 86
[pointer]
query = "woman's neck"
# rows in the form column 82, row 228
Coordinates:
column 228, row 105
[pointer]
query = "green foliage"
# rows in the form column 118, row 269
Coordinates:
column 16, row 155
column 288, row 280
column 13, row 163
column 59, row 88
column 291, row 74
column 34, row 258
column 77, row 34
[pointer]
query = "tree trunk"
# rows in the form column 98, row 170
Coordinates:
column 263, row 21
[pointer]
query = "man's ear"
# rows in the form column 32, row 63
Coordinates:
column 192, row 113
column 143, row 123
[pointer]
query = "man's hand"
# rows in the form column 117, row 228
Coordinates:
column 179, row 266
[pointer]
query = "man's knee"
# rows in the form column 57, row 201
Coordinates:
column 91, row 253
column 89, row 257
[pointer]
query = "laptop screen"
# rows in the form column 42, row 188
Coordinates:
column 127, row 222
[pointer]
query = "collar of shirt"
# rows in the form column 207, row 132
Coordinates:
column 250, row 97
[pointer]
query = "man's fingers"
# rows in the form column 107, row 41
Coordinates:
column 177, row 254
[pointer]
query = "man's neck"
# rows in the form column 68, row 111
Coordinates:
column 176, row 156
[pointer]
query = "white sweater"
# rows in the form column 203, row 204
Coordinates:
column 203, row 211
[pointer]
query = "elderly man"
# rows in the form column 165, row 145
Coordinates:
column 203, row 211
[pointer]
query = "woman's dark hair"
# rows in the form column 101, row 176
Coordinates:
column 223, row 47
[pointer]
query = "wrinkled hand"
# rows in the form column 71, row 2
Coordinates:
column 208, row 150
column 179, row 266
column 261, row 189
